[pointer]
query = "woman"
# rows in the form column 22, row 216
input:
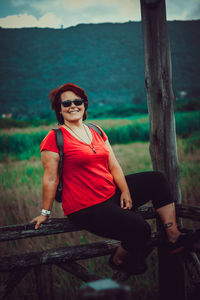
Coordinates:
column 96, row 194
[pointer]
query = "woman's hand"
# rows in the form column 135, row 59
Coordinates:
column 125, row 200
column 39, row 220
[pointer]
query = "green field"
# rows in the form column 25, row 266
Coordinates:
column 23, row 143
column 20, row 185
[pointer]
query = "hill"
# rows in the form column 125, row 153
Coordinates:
column 105, row 59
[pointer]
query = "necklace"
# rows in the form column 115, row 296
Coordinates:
column 91, row 144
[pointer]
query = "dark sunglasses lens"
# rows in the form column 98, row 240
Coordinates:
column 67, row 103
column 78, row 102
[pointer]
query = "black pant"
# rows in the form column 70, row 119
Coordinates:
column 109, row 220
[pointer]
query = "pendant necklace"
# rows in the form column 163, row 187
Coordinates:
column 90, row 145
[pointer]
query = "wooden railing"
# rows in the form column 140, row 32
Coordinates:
column 65, row 258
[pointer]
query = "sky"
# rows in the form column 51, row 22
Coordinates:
column 66, row 13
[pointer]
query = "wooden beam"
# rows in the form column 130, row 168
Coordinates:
column 14, row 278
column 79, row 271
column 52, row 226
column 56, row 256
column 63, row 225
column 66, row 254
column 193, row 269
column 188, row 212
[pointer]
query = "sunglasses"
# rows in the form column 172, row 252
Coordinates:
column 77, row 102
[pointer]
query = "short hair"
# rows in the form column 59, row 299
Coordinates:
column 55, row 99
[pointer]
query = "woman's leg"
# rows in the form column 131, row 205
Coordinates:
column 109, row 220
column 154, row 186
column 168, row 217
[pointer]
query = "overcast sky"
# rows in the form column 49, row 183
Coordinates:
column 53, row 13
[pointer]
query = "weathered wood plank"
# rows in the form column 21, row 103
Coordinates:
column 56, row 256
column 14, row 278
column 66, row 254
column 188, row 212
column 79, row 271
column 193, row 259
column 193, row 269
column 63, row 225
column 21, row 231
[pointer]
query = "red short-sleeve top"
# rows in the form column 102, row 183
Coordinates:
column 86, row 177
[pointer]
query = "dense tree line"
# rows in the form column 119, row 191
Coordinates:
column 105, row 59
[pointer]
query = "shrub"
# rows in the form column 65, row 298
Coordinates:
column 187, row 105
column 187, row 123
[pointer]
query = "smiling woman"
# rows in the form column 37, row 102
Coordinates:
column 96, row 195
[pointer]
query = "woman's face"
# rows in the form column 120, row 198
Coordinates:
column 72, row 113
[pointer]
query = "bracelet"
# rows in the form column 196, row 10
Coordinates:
column 45, row 213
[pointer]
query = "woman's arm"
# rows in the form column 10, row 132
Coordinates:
column 119, row 178
column 50, row 182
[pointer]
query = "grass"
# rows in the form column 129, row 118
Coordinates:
column 182, row 120
column 190, row 172
column 23, row 144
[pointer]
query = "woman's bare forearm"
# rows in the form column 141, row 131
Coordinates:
column 49, row 192
column 50, row 162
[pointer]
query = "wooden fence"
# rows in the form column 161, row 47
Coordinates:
column 66, row 257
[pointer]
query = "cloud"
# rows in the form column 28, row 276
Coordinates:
column 49, row 20
column 194, row 13
column 44, row 5
column 188, row 10
column 53, row 13
column 17, row 3
column 113, row 10
column 25, row 20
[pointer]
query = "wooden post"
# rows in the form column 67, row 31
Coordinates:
column 163, row 147
column 160, row 96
